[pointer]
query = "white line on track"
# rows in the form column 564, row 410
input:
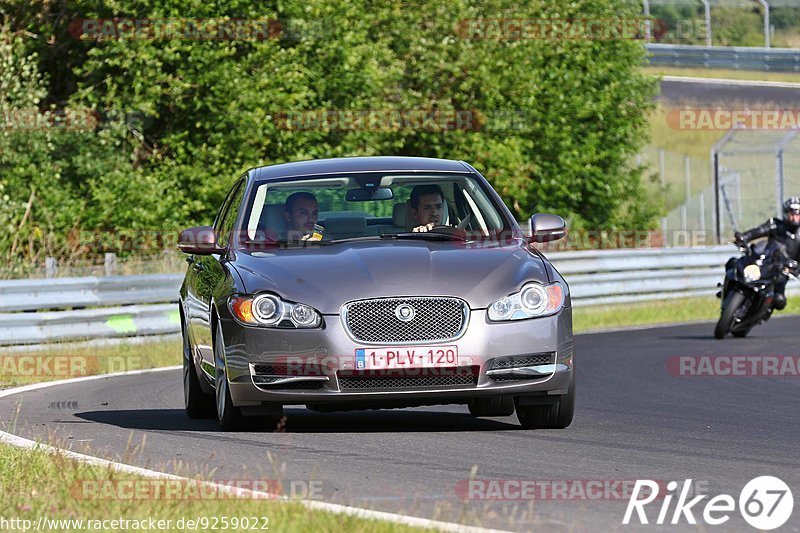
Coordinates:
column 335, row 508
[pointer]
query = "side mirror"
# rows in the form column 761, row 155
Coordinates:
column 546, row 227
column 200, row 240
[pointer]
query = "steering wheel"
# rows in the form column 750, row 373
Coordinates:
column 459, row 233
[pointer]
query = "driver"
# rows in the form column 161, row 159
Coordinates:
column 301, row 211
column 427, row 206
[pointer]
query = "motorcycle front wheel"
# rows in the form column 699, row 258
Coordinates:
column 735, row 300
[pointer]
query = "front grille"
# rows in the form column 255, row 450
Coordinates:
column 523, row 360
column 465, row 376
column 435, row 319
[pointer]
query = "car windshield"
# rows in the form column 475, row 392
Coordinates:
column 339, row 208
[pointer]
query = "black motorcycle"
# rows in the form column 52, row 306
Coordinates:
column 749, row 287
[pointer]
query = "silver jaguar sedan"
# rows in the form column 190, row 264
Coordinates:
column 373, row 282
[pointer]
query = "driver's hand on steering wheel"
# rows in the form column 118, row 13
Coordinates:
column 424, row 227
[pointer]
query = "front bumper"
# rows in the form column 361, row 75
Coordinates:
column 316, row 367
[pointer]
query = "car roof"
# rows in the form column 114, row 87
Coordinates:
column 359, row 164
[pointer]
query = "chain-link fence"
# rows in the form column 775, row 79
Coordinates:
column 754, row 171
column 686, row 185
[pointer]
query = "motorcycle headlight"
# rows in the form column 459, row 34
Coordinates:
column 752, row 273
column 269, row 310
column 534, row 300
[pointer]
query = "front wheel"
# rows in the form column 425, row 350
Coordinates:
column 740, row 333
column 230, row 417
column 735, row 301
column 557, row 415
column 197, row 403
column 491, row 406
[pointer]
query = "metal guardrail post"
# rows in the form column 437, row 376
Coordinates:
column 109, row 263
column 707, row 10
column 765, row 5
column 50, row 267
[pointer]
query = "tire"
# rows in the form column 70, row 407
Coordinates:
column 197, row 403
column 229, row 416
column 740, row 333
column 725, row 321
column 491, row 406
column 553, row 416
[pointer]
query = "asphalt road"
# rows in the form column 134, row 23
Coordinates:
column 699, row 93
column 634, row 420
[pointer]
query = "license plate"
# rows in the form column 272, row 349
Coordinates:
column 416, row 357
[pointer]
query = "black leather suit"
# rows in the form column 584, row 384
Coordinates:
column 782, row 233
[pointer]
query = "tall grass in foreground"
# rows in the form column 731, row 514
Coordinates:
column 37, row 483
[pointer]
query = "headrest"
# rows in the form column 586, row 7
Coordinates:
column 272, row 217
column 399, row 212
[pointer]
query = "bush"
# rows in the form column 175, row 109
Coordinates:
column 191, row 115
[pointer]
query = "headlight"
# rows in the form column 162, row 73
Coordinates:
column 534, row 300
column 270, row 311
column 752, row 273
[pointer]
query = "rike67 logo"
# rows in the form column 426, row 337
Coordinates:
column 765, row 503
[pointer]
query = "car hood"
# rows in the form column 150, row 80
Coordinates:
column 326, row 277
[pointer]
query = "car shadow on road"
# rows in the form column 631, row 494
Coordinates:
column 300, row 420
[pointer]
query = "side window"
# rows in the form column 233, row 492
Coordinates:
column 227, row 216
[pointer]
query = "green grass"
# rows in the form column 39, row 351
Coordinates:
column 64, row 361
column 683, row 310
column 722, row 74
column 38, row 483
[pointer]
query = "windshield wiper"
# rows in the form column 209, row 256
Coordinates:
column 428, row 236
column 355, row 239
column 285, row 243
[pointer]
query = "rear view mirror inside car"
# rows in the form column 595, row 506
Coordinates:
column 367, row 194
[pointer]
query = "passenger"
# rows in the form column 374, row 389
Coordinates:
column 301, row 211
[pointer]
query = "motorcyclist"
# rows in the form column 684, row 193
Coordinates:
column 785, row 232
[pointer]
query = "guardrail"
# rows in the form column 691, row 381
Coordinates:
column 93, row 307
column 733, row 57
column 118, row 306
